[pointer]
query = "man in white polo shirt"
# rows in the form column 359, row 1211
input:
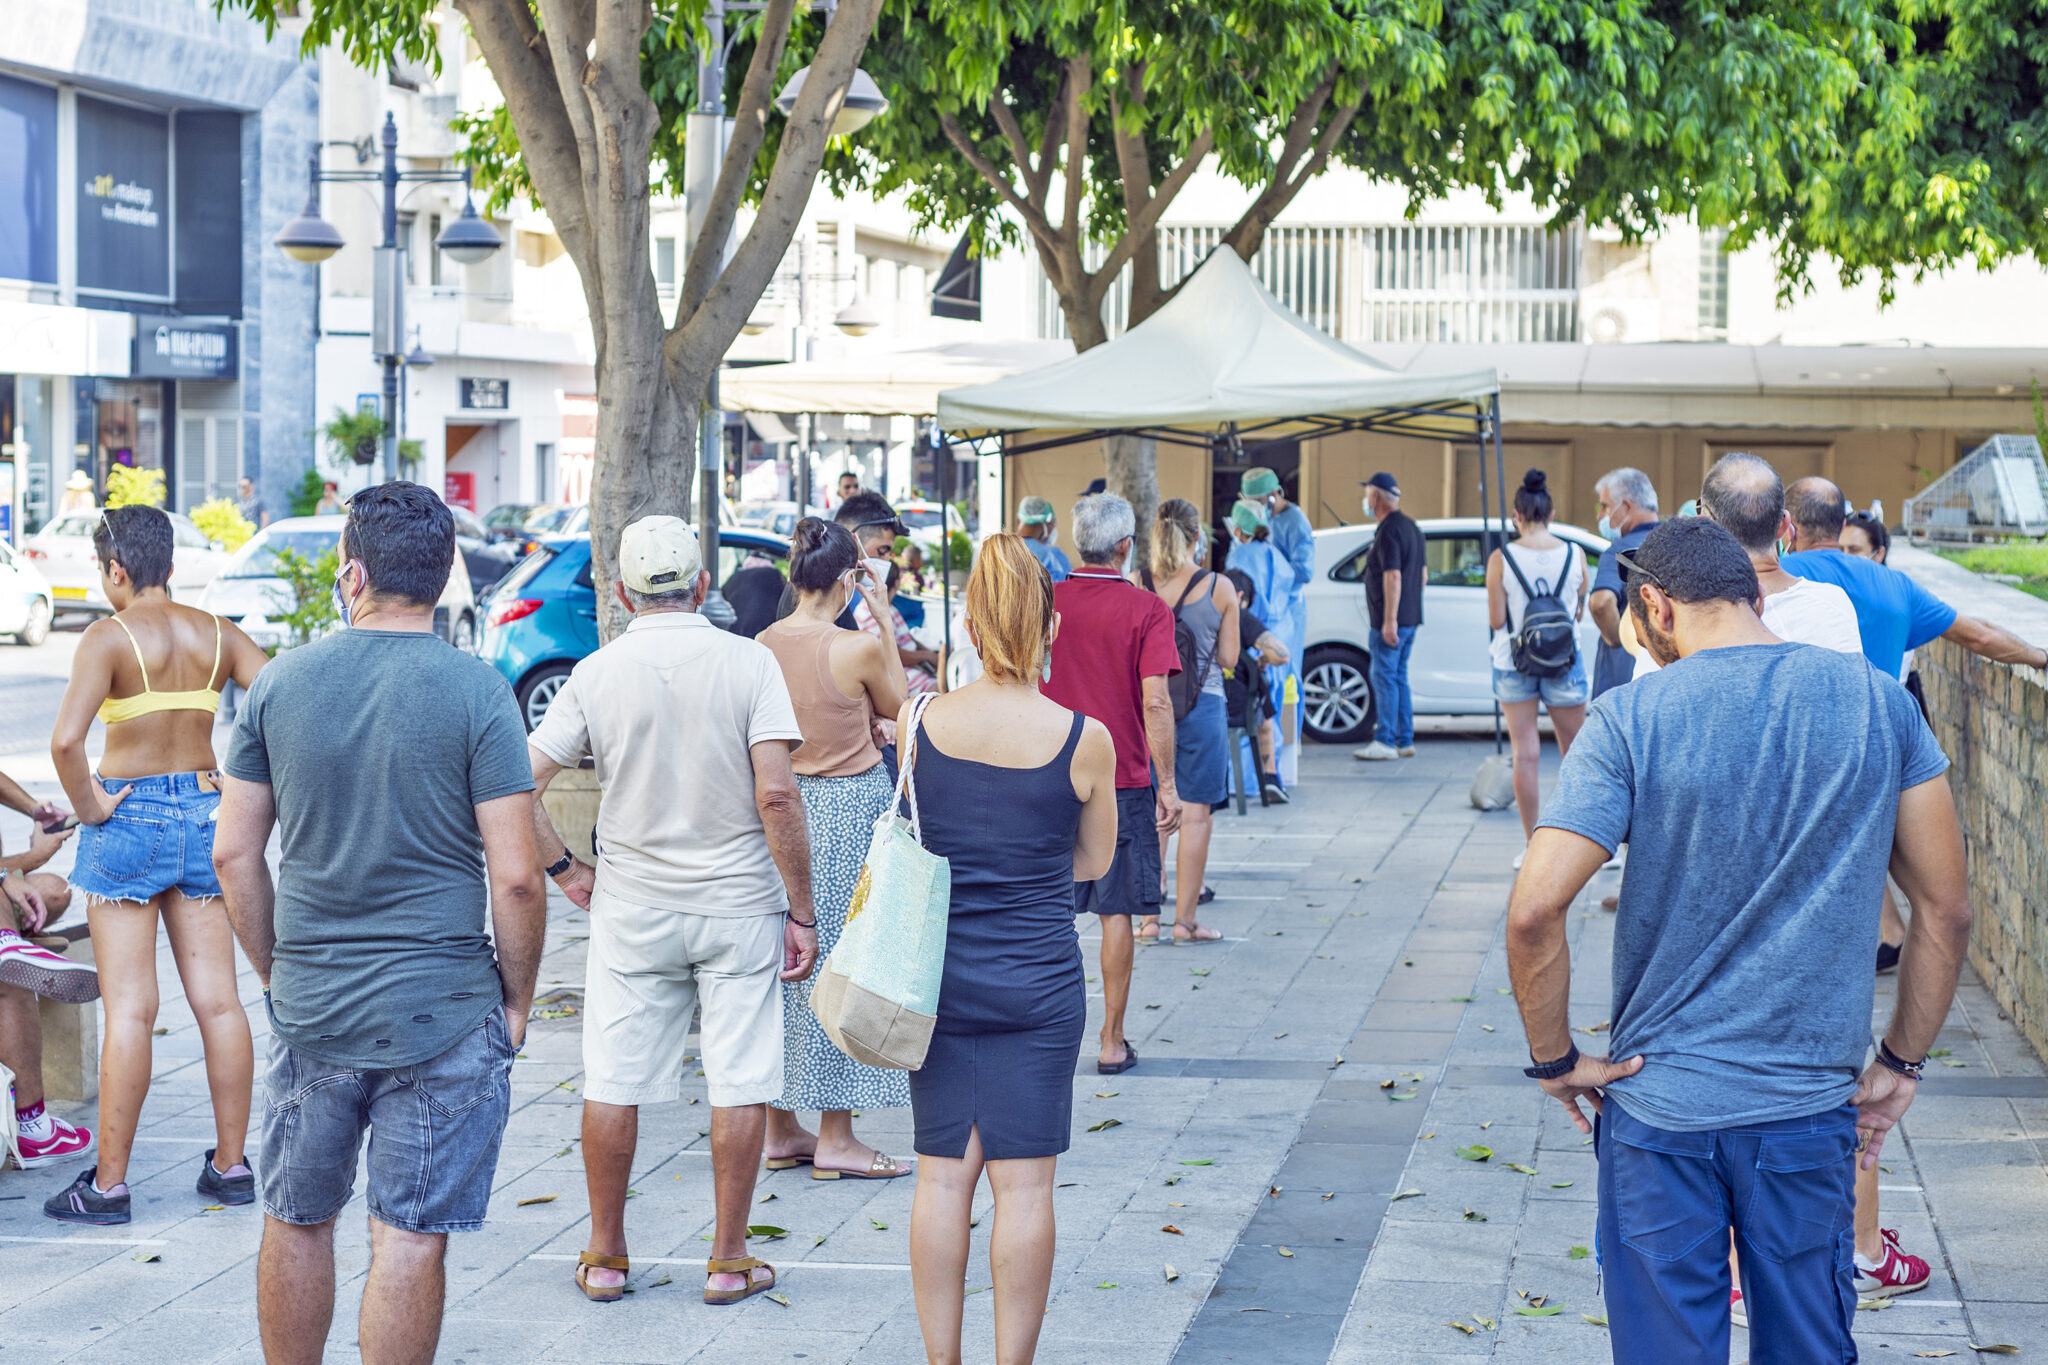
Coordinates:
column 700, row 894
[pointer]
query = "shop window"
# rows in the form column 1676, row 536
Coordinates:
column 124, row 201
column 28, row 181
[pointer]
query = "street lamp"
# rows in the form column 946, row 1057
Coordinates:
column 864, row 100
column 312, row 239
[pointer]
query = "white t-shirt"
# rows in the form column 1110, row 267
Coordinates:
column 669, row 711
column 1541, row 568
column 1807, row 613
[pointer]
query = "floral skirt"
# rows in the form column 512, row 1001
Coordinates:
column 841, row 813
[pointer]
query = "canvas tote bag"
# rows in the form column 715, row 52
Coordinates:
column 877, row 995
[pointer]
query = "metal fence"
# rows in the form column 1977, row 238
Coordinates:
column 1403, row 282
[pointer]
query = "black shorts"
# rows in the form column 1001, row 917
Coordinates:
column 1131, row 886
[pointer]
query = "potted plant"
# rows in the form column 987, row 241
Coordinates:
column 355, row 435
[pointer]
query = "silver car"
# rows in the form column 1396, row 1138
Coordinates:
column 63, row 552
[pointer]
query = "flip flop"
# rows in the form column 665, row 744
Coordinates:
column 787, row 1163
column 1119, row 1068
column 745, row 1265
column 598, row 1293
column 1200, row 934
column 883, row 1167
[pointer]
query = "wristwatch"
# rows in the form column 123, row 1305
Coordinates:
column 568, row 861
column 1910, row 1070
column 1550, row 1071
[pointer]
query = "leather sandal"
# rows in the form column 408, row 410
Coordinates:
column 745, row 1265
column 881, row 1167
column 787, row 1163
column 596, row 1293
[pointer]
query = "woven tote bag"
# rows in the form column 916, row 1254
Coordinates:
column 877, row 995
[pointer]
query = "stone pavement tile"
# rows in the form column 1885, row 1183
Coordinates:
column 1992, row 1203
column 1359, row 1168
column 1436, row 1013
column 1502, row 1105
column 1507, row 1142
column 1447, row 1194
column 1374, row 1120
column 1312, row 1280
column 1552, row 1227
column 1397, row 1048
column 1951, row 1118
column 1393, row 1315
column 2024, row 1325
column 1447, row 1253
column 1576, row 1166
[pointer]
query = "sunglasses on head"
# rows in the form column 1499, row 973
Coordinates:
column 1631, row 569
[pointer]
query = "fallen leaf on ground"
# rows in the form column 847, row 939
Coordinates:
column 975, row 1221
column 1518, row 1166
column 1200, row 1161
column 1328, row 1197
column 1172, row 1229
column 1597, row 1319
column 1107, row 1284
column 1427, row 1136
column 1288, row 1254
column 1468, row 1331
column 1254, row 1310
column 1107, row 1094
column 782, row 1299
column 656, row 1284
column 1931, row 1355
column 1278, row 1036
column 1474, row 1216
column 878, row 1225
column 565, row 1151
column 1475, row 1153
column 1171, row 1273
column 1339, row 1062
column 767, row 1232
column 1386, row 1085
column 146, row 1257
column 1487, row 1027
column 1502, row 990
column 1273, row 1191
column 821, row 1236
column 1999, row 1350
column 1600, row 1027
column 1405, row 1194
column 1579, row 1253
column 1947, row 1062
column 632, row 1194
column 1461, row 999
column 1409, row 1096
column 765, row 1198
column 1533, row 1312
column 1198, row 971
column 1488, row 1323
column 1943, row 1052
column 1151, row 1007
column 158, row 1033
column 1275, row 933
column 1173, row 1180
column 980, row 1288
column 1872, row 1305
column 1106, row 1123
column 538, row 1199
column 1562, row 1185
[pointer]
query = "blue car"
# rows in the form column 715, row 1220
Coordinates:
column 543, row 615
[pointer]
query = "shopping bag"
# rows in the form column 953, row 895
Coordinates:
column 877, row 995
column 1493, row 786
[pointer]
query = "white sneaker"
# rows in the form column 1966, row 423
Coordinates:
column 1375, row 752
column 1616, row 861
column 1519, row 856
column 1407, row 751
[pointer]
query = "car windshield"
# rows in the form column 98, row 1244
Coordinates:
column 550, row 520
column 508, row 516
column 920, row 520
column 523, row 573
column 79, row 524
column 258, row 559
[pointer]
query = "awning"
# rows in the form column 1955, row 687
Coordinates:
column 887, row 384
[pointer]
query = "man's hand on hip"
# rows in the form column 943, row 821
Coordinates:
column 577, row 883
column 799, row 950
column 1882, row 1096
column 1585, row 1081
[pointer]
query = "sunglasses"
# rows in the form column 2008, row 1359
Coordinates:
column 1631, row 569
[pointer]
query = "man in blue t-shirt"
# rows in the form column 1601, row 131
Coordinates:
column 1741, row 1006
column 1628, row 512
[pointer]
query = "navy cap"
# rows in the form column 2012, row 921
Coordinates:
column 1094, row 487
column 1384, row 482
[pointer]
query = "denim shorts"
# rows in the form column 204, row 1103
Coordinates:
column 434, row 1133
column 158, row 839
column 1570, row 690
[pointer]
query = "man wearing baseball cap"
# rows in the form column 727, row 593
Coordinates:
column 1393, row 598
column 701, row 893
column 1040, row 529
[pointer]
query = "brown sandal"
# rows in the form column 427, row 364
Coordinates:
column 881, row 1166
column 595, row 1293
column 745, row 1265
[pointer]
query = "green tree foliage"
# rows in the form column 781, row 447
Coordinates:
column 305, row 605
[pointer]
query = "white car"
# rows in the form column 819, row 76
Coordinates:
column 1449, row 670
column 26, row 603
column 921, row 520
column 63, row 551
column 250, row 587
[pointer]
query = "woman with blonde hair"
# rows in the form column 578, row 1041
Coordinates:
column 1206, row 603
column 1019, row 794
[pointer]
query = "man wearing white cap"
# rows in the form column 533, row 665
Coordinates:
column 1038, row 525
column 698, row 896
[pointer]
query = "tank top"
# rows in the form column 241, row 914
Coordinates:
column 838, row 730
column 1205, row 619
column 1541, row 568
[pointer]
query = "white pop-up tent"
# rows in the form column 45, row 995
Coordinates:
column 882, row 384
column 1223, row 358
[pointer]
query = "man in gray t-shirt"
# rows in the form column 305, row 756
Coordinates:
column 395, row 771
column 1762, row 786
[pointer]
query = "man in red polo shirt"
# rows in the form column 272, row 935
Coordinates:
column 1110, row 661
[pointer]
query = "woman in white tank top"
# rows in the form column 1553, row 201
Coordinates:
column 1549, row 565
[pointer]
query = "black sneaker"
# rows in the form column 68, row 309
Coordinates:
column 1208, row 895
column 1271, row 793
column 81, row 1203
column 1887, row 958
column 237, row 1186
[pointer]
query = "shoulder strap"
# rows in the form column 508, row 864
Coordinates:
column 1145, row 575
column 1192, row 580
column 906, row 756
column 135, row 645
column 212, row 686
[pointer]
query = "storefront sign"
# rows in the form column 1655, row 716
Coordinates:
column 485, row 393
column 124, row 201
column 459, row 490
column 184, row 350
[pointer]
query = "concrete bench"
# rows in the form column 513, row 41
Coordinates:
column 71, row 1033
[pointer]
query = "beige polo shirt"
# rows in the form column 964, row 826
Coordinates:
column 669, row 711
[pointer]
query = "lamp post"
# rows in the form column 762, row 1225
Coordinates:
column 469, row 240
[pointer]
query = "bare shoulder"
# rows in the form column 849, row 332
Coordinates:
column 1095, row 737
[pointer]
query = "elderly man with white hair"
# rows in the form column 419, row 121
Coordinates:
column 1628, row 513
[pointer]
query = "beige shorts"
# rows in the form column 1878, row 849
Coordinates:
column 649, row 970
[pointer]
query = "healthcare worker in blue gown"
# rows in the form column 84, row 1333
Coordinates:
column 1294, row 538
column 1278, row 594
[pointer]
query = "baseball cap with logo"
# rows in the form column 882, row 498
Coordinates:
column 1384, row 482
column 659, row 554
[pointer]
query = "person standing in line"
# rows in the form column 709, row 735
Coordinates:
column 1111, row 664
column 1040, row 530
column 1628, row 512
column 1545, row 565
column 1732, row 1098
column 394, row 770
column 31, row 901
column 1207, row 604
column 1395, row 572
column 249, row 505
column 1019, row 794
column 702, row 896
column 152, row 673
column 838, row 682
column 1295, row 539
column 1263, row 649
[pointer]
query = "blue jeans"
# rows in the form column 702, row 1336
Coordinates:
column 1667, row 1201
column 159, row 839
column 1390, row 694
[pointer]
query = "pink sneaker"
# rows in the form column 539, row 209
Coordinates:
column 42, row 972
column 63, row 1143
column 1894, row 1273
column 1737, row 1314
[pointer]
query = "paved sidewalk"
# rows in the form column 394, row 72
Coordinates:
column 1364, row 924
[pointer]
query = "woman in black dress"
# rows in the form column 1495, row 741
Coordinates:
column 1019, row 794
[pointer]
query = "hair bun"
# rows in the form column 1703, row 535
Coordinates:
column 1536, row 481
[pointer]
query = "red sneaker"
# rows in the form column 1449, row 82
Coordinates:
column 63, row 1143
column 1894, row 1273
column 42, row 972
column 1737, row 1314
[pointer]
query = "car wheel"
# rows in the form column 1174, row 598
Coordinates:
column 37, row 628
column 537, row 692
column 463, row 637
column 1336, row 695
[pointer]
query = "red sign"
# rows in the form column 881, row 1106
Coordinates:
column 459, row 490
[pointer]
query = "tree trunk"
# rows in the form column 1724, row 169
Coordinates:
column 1133, row 472
column 646, row 452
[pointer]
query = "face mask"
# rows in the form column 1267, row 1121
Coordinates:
column 1606, row 529
column 1366, row 505
column 340, row 602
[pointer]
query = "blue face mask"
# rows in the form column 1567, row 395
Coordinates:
column 340, row 602
column 1606, row 529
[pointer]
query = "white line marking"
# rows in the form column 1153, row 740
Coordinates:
column 1901, row 1189
column 93, row 1241
column 699, row 1260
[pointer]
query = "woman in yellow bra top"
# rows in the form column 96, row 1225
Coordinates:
column 153, row 674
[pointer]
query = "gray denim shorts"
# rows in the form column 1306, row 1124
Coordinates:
column 434, row 1133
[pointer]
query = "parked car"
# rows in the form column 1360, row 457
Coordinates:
column 778, row 517
column 543, row 617
column 63, row 552
column 508, row 520
column 486, row 560
column 26, row 602
column 921, row 520
column 250, row 586
column 1450, row 670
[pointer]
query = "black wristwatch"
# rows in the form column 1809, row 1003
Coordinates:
column 1550, row 1071
column 568, row 861
column 1910, row 1070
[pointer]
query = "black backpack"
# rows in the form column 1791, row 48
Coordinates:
column 1185, row 687
column 1547, row 642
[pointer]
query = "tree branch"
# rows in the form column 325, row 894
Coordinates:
column 1032, row 213
column 1037, row 175
column 1137, row 231
column 750, row 130
column 1296, row 166
column 1080, row 75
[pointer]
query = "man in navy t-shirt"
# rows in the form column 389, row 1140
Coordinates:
column 1741, row 1008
